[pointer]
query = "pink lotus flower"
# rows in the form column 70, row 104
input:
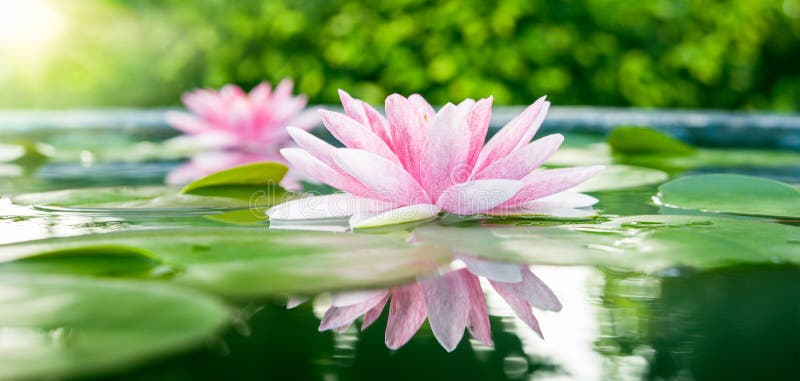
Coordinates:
column 233, row 119
column 231, row 128
column 416, row 162
column 451, row 302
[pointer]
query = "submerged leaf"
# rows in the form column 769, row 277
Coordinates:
column 737, row 194
column 59, row 327
column 101, row 260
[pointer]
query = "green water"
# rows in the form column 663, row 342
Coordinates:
column 648, row 292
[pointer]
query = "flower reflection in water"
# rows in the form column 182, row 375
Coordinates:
column 451, row 301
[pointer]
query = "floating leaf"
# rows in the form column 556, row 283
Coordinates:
column 90, row 196
column 642, row 140
column 241, row 216
column 102, row 260
column 738, row 194
column 615, row 177
column 153, row 199
column 638, row 243
column 57, row 327
column 248, row 175
column 257, row 261
column 714, row 158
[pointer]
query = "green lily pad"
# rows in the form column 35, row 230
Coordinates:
column 56, row 327
column 638, row 243
column 248, row 175
column 737, row 194
column 615, row 177
column 642, row 140
column 153, row 198
column 713, row 158
column 256, row 216
column 85, row 197
column 103, row 260
column 247, row 262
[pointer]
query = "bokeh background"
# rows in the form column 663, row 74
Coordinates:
column 734, row 54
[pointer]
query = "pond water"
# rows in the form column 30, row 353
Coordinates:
column 107, row 274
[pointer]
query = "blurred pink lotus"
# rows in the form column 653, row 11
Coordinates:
column 451, row 302
column 416, row 163
column 231, row 128
column 233, row 119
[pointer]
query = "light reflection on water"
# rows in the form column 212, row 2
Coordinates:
column 21, row 223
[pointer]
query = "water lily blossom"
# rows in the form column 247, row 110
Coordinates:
column 230, row 127
column 450, row 302
column 233, row 119
column 417, row 162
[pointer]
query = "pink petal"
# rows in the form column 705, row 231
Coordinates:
column 406, row 315
column 544, row 183
column 240, row 118
column 447, row 302
column 564, row 204
column 497, row 271
column 260, row 94
column 355, row 135
column 337, row 205
column 378, row 123
column 374, row 313
column 478, row 317
column 477, row 196
column 405, row 214
column 385, row 179
column 523, row 161
column 283, row 91
column 230, row 92
column 342, row 317
column 314, row 145
column 205, row 103
column 478, row 122
column 407, row 132
column 314, row 168
column 533, row 291
column 187, row 123
column 423, row 107
column 282, row 112
column 347, row 298
column 353, row 108
column 365, row 114
column 514, row 135
column 305, row 120
column 444, row 155
column 521, row 308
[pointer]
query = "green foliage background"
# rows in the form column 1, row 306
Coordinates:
column 735, row 54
